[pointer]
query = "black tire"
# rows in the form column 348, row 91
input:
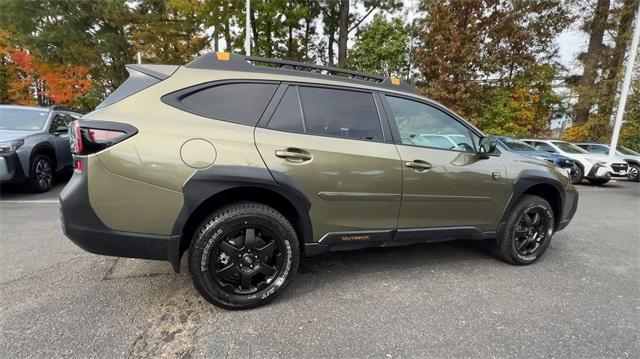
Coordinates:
column 219, row 256
column 576, row 173
column 599, row 181
column 634, row 172
column 522, row 240
column 41, row 174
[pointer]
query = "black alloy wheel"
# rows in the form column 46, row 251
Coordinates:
column 527, row 231
column 243, row 255
column 41, row 175
column 533, row 228
column 247, row 260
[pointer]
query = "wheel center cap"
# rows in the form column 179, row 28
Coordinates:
column 248, row 258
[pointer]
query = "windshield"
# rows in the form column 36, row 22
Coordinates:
column 568, row 147
column 18, row 119
column 626, row 151
column 516, row 145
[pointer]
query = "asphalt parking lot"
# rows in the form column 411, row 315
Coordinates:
column 582, row 300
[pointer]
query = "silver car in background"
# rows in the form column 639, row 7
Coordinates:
column 34, row 144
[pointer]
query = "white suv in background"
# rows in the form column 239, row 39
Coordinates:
column 597, row 169
column 629, row 156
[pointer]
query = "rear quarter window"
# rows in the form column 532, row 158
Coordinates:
column 241, row 103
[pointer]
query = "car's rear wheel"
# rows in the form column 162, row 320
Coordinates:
column 575, row 174
column 41, row 174
column 243, row 256
column 527, row 232
column 634, row 173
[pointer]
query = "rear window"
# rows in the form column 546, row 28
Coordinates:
column 238, row 102
column 340, row 113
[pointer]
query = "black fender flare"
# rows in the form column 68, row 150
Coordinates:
column 526, row 180
column 207, row 183
column 47, row 146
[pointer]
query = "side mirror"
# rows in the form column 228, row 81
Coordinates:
column 488, row 146
column 61, row 130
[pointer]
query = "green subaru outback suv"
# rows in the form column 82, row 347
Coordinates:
column 252, row 163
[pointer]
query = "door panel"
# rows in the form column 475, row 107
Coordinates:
column 458, row 189
column 445, row 184
column 352, row 185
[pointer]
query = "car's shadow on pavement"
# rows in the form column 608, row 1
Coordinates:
column 17, row 191
column 389, row 262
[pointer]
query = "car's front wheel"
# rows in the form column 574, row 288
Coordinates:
column 575, row 174
column 634, row 172
column 41, row 174
column 243, row 256
column 527, row 231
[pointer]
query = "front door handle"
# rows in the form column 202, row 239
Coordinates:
column 418, row 165
column 293, row 154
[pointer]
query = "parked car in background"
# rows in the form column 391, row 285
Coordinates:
column 597, row 169
column 631, row 157
column 563, row 162
column 34, row 144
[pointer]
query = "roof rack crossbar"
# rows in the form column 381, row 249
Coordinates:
column 288, row 64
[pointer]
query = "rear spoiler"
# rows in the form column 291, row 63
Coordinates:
column 140, row 77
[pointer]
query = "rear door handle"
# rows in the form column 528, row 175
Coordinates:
column 294, row 154
column 418, row 165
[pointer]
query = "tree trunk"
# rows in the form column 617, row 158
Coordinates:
column 343, row 31
column 592, row 59
column 227, row 35
column 254, row 29
column 614, row 66
column 290, row 43
column 216, row 41
column 331, row 41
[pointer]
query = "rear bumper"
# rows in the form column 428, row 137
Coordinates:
column 83, row 227
column 11, row 170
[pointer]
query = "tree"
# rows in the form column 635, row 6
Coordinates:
column 471, row 47
column 381, row 47
column 591, row 60
column 523, row 109
column 169, row 32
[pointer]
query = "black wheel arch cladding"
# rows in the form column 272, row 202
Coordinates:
column 530, row 179
column 205, row 184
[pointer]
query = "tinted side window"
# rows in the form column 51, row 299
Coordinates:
column 240, row 103
column 597, row 149
column 60, row 119
column 340, row 113
column 426, row 126
column 541, row 146
column 288, row 115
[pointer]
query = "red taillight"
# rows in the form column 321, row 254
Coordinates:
column 96, row 135
column 89, row 137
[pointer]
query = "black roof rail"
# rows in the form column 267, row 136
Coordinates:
column 235, row 62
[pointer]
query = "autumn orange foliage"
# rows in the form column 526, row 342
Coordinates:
column 32, row 81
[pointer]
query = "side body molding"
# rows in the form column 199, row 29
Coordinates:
column 207, row 183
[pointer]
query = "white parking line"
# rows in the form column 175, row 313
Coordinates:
column 31, row 201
